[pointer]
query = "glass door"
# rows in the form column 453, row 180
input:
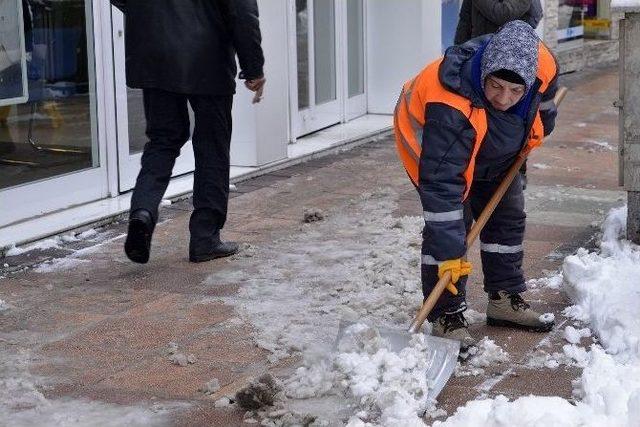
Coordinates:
column 356, row 100
column 52, row 127
column 131, row 121
column 317, row 98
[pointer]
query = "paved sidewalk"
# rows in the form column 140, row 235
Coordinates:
column 88, row 333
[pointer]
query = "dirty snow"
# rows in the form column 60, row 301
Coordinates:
column 52, row 243
column 365, row 267
column 602, row 144
column 547, row 318
column 59, row 264
column 541, row 166
column 23, row 404
column 42, row 246
column 362, row 266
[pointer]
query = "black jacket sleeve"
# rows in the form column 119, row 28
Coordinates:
column 463, row 30
column 247, row 38
column 502, row 11
column 120, row 4
column 447, row 143
column 535, row 14
column 548, row 109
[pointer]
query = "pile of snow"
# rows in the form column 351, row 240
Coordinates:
column 604, row 287
column 487, row 353
column 389, row 387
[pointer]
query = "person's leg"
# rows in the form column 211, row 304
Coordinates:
column 501, row 249
column 501, row 238
column 167, row 129
column 211, row 144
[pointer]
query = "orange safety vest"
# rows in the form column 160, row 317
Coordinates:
column 409, row 115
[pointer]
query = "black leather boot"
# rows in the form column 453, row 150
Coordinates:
column 138, row 243
column 216, row 249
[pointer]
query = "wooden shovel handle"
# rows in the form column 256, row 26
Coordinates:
column 477, row 227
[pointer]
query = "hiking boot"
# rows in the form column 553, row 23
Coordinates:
column 510, row 310
column 454, row 326
column 138, row 243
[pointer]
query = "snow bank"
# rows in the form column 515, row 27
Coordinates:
column 604, row 287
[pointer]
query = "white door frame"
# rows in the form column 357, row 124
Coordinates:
column 314, row 117
column 38, row 198
column 129, row 164
column 354, row 106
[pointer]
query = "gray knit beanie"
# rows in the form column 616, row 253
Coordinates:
column 515, row 48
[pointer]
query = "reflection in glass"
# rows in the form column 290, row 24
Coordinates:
column 13, row 71
column 302, row 49
column 570, row 22
column 137, row 122
column 325, row 50
column 55, row 131
column 355, row 46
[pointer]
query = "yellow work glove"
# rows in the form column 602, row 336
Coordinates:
column 458, row 268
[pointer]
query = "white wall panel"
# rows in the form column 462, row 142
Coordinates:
column 261, row 131
column 402, row 37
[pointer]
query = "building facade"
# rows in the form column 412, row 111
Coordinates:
column 72, row 133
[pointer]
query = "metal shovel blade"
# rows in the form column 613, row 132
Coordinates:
column 441, row 354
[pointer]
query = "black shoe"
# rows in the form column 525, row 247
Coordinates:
column 138, row 243
column 219, row 249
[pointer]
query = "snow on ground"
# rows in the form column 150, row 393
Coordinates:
column 73, row 259
column 367, row 269
column 604, row 287
column 541, row 166
column 601, row 144
column 23, row 404
column 56, row 242
column 363, row 267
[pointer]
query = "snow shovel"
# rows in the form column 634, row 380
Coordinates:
column 442, row 354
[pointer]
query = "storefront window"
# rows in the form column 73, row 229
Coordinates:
column 583, row 19
column 51, row 129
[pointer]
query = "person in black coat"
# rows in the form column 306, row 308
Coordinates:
column 179, row 52
column 480, row 17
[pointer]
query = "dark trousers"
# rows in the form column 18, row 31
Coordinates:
column 500, row 246
column 168, row 130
